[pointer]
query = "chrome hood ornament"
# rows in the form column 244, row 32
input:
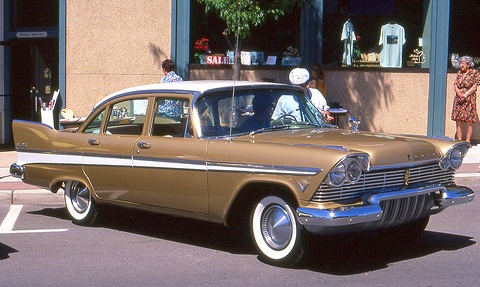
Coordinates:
column 353, row 124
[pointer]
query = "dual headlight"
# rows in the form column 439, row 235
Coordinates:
column 454, row 158
column 348, row 170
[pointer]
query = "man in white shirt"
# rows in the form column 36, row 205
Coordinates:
column 318, row 100
column 288, row 105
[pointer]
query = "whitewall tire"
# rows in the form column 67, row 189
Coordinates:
column 79, row 203
column 276, row 233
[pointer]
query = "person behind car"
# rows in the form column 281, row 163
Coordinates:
column 170, row 108
column 464, row 110
column 288, row 105
column 262, row 109
column 168, row 67
column 318, row 79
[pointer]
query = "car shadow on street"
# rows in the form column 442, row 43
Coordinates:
column 183, row 230
column 361, row 253
column 60, row 213
column 336, row 255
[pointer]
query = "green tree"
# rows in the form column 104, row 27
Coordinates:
column 240, row 15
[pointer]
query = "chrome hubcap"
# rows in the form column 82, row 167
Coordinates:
column 80, row 197
column 276, row 227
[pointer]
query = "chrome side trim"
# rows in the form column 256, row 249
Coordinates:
column 260, row 168
column 112, row 160
column 371, row 211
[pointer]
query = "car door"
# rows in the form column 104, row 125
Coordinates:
column 169, row 164
column 107, row 157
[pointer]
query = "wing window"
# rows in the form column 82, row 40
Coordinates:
column 94, row 126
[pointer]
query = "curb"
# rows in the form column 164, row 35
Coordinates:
column 31, row 196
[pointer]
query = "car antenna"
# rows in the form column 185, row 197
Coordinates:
column 232, row 113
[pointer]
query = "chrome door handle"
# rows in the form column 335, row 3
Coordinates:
column 93, row 142
column 144, row 145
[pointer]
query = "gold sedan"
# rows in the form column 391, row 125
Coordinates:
column 238, row 153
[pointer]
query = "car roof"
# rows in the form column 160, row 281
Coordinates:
column 193, row 87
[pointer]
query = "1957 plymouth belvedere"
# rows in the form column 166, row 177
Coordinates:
column 227, row 151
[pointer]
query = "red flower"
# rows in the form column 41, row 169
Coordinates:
column 201, row 45
column 356, row 49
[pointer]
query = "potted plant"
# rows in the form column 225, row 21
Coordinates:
column 200, row 47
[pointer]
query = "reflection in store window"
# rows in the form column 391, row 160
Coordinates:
column 373, row 33
column 464, row 31
column 273, row 38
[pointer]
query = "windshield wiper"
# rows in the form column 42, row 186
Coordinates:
column 267, row 129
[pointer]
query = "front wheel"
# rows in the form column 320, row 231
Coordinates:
column 80, row 206
column 276, row 232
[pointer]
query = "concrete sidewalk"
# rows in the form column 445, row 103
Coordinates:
column 14, row 191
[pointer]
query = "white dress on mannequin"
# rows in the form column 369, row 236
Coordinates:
column 348, row 37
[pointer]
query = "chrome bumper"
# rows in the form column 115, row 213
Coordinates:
column 17, row 170
column 318, row 220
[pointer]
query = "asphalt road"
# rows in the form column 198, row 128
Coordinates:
column 39, row 246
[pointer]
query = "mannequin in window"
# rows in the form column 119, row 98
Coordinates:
column 348, row 37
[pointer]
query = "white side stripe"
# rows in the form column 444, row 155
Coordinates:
column 32, row 158
column 168, row 165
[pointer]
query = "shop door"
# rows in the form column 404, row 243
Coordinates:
column 34, row 77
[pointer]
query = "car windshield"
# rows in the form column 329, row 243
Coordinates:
column 255, row 111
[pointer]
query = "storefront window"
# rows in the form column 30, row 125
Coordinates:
column 374, row 33
column 273, row 38
column 464, row 30
column 33, row 13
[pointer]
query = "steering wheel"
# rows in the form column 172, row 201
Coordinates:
column 285, row 119
column 287, row 116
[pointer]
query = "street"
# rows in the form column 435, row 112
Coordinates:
column 39, row 246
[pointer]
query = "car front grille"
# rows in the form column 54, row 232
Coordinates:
column 398, row 211
column 384, row 181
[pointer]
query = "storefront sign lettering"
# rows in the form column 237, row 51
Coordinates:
column 32, row 34
column 217, row 60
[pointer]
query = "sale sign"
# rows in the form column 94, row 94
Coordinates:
column 217, row 60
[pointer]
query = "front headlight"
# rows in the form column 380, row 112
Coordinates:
column 354, row 170
column 454, row 158
column 348, row 170
column 337, row 175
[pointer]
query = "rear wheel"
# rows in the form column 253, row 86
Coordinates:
column 80, row 206
column 276, row 232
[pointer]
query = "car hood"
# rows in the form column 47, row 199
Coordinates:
column 384, row 149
